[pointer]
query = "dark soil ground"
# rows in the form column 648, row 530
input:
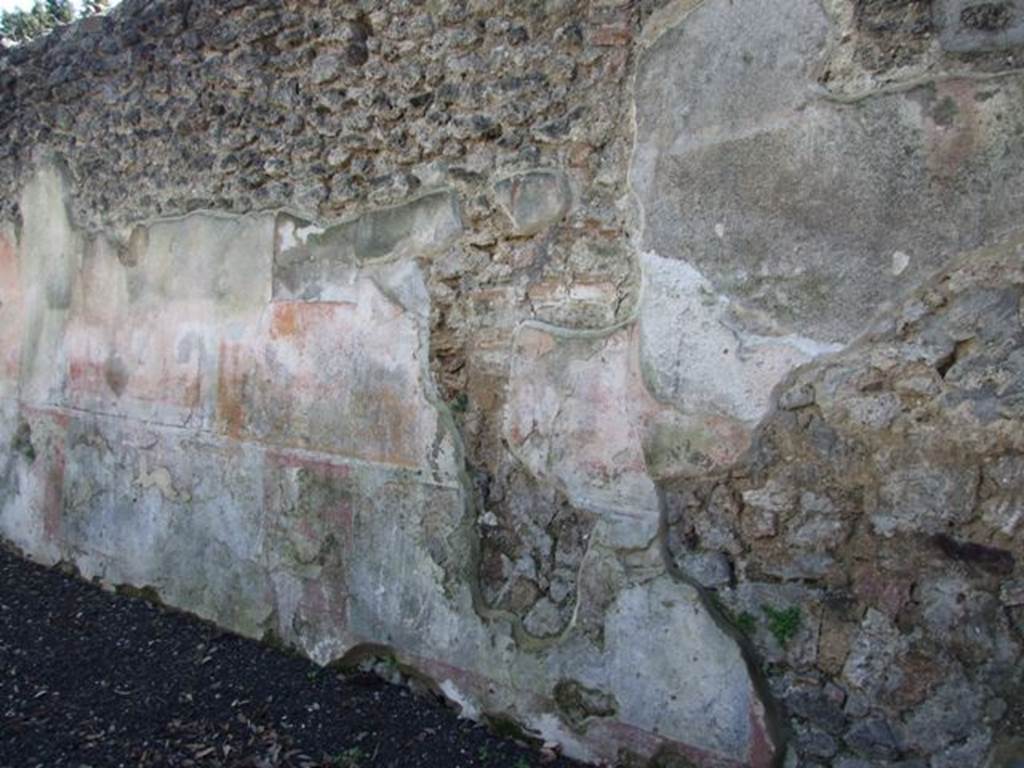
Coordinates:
column 90, row 680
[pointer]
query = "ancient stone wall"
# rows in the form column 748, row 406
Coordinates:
column 648, row 374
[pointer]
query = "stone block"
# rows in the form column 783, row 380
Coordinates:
column 925, row 499
column 968, row 26
column 534, row 200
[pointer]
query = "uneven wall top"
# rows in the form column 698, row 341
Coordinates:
column 646, row 372
column 164, row 107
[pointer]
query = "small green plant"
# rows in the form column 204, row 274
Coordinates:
column 22, row 442
column 746, row 623
column 483, row 754
column 460, row 403
column 782, row 624
column 522, row 763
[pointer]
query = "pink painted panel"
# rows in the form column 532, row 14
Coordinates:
column 142, row 359
column 337, row 377
column 11, row 314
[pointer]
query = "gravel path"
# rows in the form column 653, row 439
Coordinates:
column 90, row 680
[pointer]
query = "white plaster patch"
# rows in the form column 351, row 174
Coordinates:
column 291, row 235
column 304, row 233
column 553, row 730
column 286, row 238
column 900, row 262
column 697, row 357
column 160, row 478
column 651, row 626
column 467, row 706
